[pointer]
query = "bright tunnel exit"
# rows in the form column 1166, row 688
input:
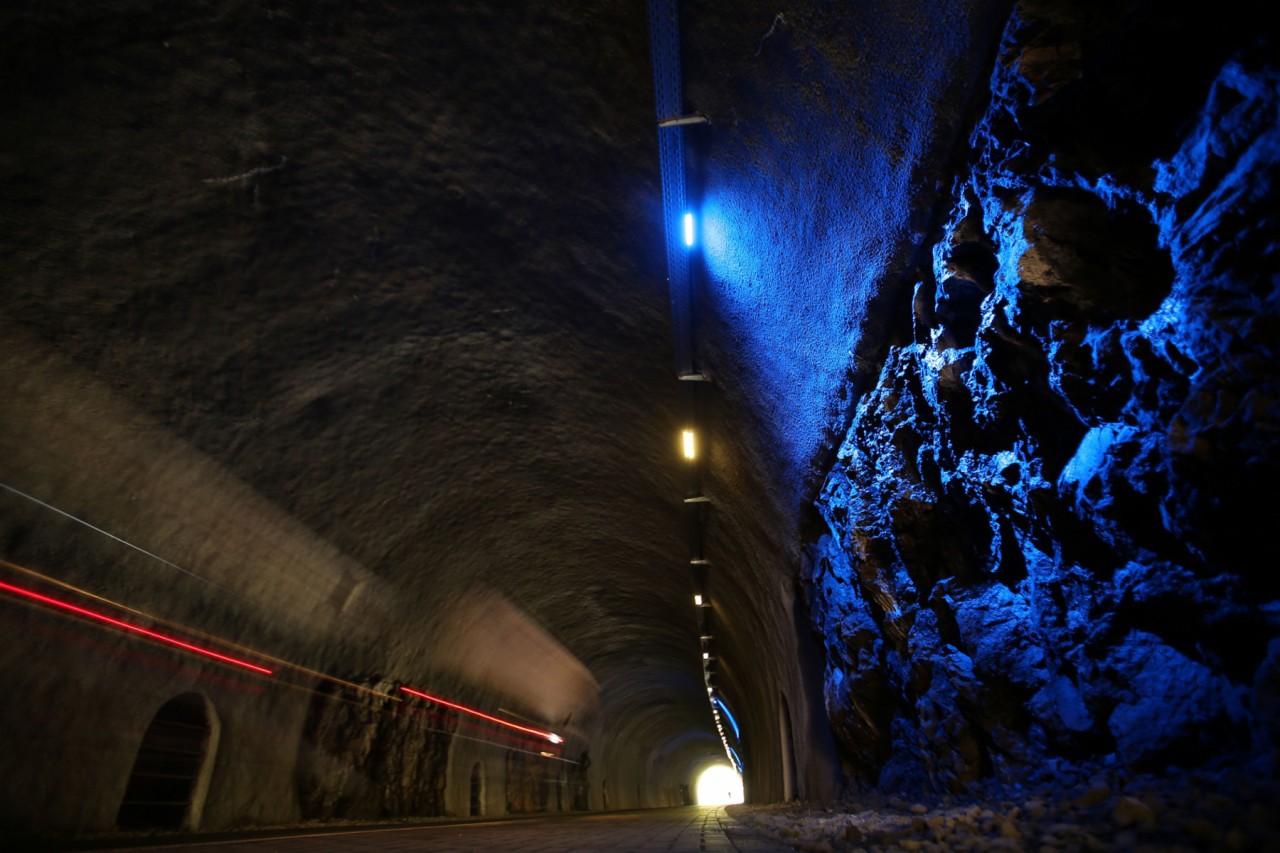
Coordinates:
column 719, row 785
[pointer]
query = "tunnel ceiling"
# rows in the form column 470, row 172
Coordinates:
column 398, row 269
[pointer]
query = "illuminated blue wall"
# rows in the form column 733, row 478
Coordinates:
column 815, row 184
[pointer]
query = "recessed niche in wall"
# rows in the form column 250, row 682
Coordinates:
column 477, row 790
column 170, row 775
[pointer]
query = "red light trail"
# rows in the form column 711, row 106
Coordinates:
column 106, row 619
column 551, row 736
column 136, row 629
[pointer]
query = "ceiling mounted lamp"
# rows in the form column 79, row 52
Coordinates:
column 689, row 444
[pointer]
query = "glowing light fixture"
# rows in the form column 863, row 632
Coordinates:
column 133, row 629
column 550, row 736
column 689, row 443
column 719, row 703
column 697, row 601
column 688, row 229
column 706, row 655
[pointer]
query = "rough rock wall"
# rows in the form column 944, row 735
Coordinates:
column 367, row 757
column 1048, row 522
column 530, row 784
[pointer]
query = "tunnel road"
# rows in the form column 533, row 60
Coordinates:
column 676, row 830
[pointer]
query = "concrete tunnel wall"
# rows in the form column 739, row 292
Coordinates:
column 308, row 303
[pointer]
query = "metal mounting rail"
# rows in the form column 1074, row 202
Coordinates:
column 680, row 231
column 664, row 36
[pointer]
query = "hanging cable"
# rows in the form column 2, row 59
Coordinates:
column 11, row 490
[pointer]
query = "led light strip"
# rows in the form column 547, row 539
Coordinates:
column 128, row 626
column 681, row 232
column 664, row 47
column 716, row 707
column 550, row 736
column 724, row 709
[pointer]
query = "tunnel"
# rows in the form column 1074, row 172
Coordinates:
column 477, row 410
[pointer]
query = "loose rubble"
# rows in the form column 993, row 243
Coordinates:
column 1068, row 809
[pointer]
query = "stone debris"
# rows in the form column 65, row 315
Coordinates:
column 1069, row 810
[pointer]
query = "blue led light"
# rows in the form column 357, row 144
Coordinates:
column 724, row 709
column 688, row 229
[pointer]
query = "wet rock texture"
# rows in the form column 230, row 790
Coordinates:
column 1050, row 519
column 367, row 757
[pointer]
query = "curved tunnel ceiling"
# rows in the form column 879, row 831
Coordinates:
column 398, row 271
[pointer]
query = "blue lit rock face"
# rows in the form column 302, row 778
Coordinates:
column 1051, row 521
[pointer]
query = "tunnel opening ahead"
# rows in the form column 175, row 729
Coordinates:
column 719, row 785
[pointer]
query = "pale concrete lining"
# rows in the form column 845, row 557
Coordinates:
column 68, row 441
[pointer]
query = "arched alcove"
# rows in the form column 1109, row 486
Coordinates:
column 170, row 776
column 476, row 808
column 789, row 791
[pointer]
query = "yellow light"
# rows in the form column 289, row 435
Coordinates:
column 690, row 449
column 697, row 601
column 719, row 785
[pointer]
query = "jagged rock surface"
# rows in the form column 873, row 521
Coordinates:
column 369, row 757
column 1047, row 521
